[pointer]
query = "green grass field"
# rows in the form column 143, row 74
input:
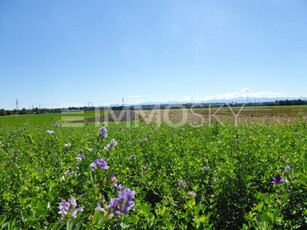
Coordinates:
column 251, row 176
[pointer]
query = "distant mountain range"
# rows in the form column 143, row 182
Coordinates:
column 227, row 101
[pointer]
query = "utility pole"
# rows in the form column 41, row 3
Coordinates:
column 123, row 101
column 16, row 105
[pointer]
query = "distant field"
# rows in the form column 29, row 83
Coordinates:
column 269, row 114
column 280, row 114
column 43, row 119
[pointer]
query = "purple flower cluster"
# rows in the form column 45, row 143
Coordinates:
column 278, row 179
column 69, row 208
column 123, row 203
column 101, row 163
column 103, row 133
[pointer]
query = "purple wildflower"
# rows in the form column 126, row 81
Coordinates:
column 119, row 186
column 63, row 207
column 205, row 168
column 278, row 179
column 99, row 163
column 287, row 168
column 147, row 137
column 72, row 201
column 68, row 145
column 111, row 145
column 69, row 208
column 192, row 194
column 123, row 203
column 79, row 159
column 113, row 178
column 114, row 182
column 98, row 208
column 103, row 133
column 80, row 156
column 181, row 184
column 107, row 146
column 68, row 173
column 133, row 157
column 49, row 132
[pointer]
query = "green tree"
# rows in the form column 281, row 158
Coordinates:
column 2, row 112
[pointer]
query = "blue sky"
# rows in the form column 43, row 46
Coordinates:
column 62, row 52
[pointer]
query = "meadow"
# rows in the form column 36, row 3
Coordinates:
column 148, row 176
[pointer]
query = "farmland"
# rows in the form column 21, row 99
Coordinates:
column 204, row 176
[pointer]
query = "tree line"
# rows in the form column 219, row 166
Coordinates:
column 23, row 111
